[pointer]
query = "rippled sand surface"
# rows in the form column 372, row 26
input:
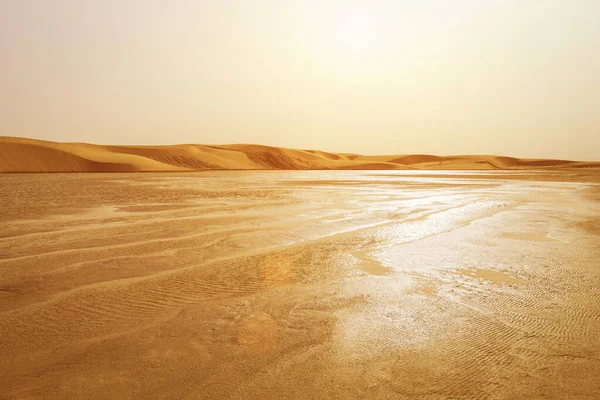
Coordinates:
column 297, row 284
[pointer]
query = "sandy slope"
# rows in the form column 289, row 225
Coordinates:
column 29, row 155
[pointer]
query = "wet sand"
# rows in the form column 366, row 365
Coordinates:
column 300, row 284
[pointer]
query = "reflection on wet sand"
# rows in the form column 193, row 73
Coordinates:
column 300, row 284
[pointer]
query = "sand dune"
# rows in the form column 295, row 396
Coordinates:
column 30, row 155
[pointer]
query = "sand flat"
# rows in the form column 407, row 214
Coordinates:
column 300, row 284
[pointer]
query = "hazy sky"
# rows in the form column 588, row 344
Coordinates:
column 512, row 77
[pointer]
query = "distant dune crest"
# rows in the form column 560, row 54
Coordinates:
column 29, row 155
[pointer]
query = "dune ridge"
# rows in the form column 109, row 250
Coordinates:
column 32, row 155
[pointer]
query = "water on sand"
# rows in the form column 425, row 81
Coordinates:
column 300, row 284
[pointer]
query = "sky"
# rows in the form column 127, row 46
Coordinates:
column 509, row 77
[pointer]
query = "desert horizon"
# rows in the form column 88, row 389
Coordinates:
column 32, row 155
column 316, row 199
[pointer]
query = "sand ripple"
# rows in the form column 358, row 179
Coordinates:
column 299, row 285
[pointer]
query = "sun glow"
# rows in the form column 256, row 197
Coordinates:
column 355, row 33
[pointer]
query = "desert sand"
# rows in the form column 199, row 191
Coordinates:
column 29, row 155
column 294, row 284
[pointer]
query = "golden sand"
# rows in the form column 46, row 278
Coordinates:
column 299, row 284
column 29, row 155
